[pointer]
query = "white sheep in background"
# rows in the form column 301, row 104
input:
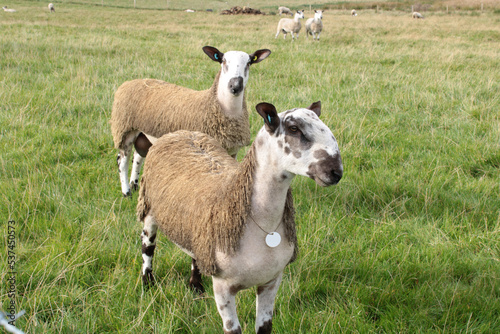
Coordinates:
column 353, row 12
column 290, row 25
column 236, row 220
column 8, row 10
column 417, row 15
column 314, row 25
column 284, row 10
column 146, row 109
column 51, row 8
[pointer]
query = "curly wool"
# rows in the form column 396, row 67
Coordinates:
column 156, row 107
column 200, row 197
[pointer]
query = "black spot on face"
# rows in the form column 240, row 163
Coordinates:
column 152, row 239
column 280, row 143
column 327, row 170
column 287, row 150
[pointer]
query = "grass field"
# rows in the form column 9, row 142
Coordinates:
column 408, row 242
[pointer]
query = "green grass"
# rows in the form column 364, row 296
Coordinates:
column 408, row 242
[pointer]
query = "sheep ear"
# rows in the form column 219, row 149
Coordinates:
column 259, row 56
column 270, row 116
column 316, row 107
column 213, row 53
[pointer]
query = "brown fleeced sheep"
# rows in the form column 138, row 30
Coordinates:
column 146, row 109
column 236, row 220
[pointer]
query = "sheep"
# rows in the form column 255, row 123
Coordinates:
column 51, row 8
column 417, row 15
column 236, row 220
column 353, row 12
column 314, row 26
column 8, row 10
column 144, row 110
column 284, row 10
column 290, row 25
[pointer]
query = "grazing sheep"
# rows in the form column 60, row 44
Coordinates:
column 353, row 12
column 284, row 10
column 290, row 25
column 8, row 10
column 144, row 110
column 236, row 220
column 417, row 15
column 51, row 8
column 314, row 26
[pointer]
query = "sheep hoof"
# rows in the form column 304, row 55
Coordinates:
column 196, row 287
column 134, row 185
column 148, row 279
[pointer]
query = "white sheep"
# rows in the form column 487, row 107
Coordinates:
column 284, row 10
column 144, row 110
column 51, row 8
column 236, row 220
column 417, row 15
column 354, row 13
column 290, row 25
column 8, row 10
column 314, row 25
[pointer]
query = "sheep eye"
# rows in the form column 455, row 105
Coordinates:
column 293, row 128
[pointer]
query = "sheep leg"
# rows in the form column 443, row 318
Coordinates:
column 136, row 169
column 266, row 295
column 317, row 37
column 195, row 282
column 226, row 305
column 123, row 161
column 148, row 238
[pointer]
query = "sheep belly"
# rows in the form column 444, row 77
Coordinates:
column 254, row 263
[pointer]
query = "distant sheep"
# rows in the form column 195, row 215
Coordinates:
column 314, row 26
column 291, row 26
column 353, row 12
column 144, row 110
column 236, row 220
column 8, row 10
column 51, row 8
column 284, row 10
column 417, row 15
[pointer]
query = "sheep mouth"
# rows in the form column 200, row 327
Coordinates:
column 327, row 181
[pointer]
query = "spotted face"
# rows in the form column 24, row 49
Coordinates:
column 235, row 67
column 306, row 144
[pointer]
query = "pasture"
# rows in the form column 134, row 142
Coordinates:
column 407, row 242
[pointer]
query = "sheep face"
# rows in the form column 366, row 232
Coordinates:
column 235, row 66
column 305, row 144
column 318, row 14
column 299, row 14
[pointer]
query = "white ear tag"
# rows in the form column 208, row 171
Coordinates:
column 273, row 239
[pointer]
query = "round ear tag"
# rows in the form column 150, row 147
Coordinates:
column 273, row 239
column 254, row 58
column 216, row 56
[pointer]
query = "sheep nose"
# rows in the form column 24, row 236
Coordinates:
column 236, row 85
column 336, row 176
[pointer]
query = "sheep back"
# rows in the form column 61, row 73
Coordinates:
column 199, row 196
column 156, row 107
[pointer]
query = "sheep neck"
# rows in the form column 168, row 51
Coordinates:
column 270, row 187
column 232, row 106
